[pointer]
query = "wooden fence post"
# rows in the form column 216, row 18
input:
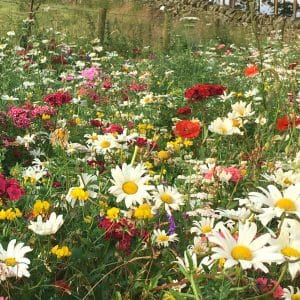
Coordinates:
column 276, row 8
column 102, row 24
column 294, row 9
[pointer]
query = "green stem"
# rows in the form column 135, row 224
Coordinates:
column 196, row 291
column 136, row 148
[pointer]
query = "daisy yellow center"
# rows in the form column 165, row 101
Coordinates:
column 206, row 229
column 80, row 194
column 286, row 204
column 241, row 253
column 10, row 261
column 198, row 249
column 162, row 238
column 223, row 130
column 166, row 198
column 295, row 296
column 129, row 187
column 287, row 181
column 105, row 144
column 290, row 252
column 235, row 123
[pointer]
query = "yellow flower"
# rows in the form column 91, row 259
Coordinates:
column 2, row 214
column 79, row 193
column 88, row 219
column 60, row 252
column 10, row 214
column 163, row 155
column 143, row 212
column 45, row 117
column 59, row 137
column 40, row 207
column 113, row 213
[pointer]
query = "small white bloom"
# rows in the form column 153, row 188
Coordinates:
column 162, row 239
column 51, row 226
column 16, row 264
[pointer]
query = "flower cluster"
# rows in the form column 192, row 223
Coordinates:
column 122, row 231
column 10, row 189
column 59, row 98
column 203, row 91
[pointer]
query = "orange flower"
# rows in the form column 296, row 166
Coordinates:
column 251, row 70
column 187, row 129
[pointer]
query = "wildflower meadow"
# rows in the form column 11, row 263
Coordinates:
column 151, row 175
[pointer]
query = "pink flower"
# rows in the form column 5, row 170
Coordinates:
column 265, row 285
column 90, row 73
column 235, row 173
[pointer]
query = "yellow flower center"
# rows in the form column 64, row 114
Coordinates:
column 241, row 253
column 166, row 198
column 286, row 204
column 236, row 123
column 105, row 144
column 162, row 238
column 290, row 252
column 295, row 296
column 223, row 130
column 10, row 261
column 129, row 188
column 287, row 181
column 80, row 194
column 206, row 229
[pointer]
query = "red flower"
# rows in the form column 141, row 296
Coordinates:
column 112, row 128
column 136, row 87
column 282, row 124
column 96, row 123
column 185, row 110
column 58, row 98
column 251, row 71
column 203, row 91
column 265, row 285
column 187, row 129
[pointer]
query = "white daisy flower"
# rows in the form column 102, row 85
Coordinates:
column 105, row 143
column 239, row 214
column 130, row 184
column 291, row 293
column 224, row 126
column 287, row 201
column 289, row 247
column 84, row 191
column 51, row 226
column 13, row 258
column 200, row 246
column 169, row 197
column 162, row 239
column 203, row 227
column 241, row 110
column 247, row 250
column 91, row 138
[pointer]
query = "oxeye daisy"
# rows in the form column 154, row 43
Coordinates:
column 130, row 184
column 169, row 197
column 203, row 227
column 162, row 239
column 84, row 191
column 14, row 259
column 246, row 250
column 105, row 143
column 287, row 201
column 291, row 293
column 289, row 247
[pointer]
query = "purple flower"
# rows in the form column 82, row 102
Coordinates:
column 172, row 225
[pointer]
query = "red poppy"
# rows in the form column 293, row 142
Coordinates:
column 185, row 110
column 187, row 129
column 282, row 124
column 251, row 70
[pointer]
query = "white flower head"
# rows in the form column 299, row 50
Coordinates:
column 169, row 197
column 162, row 239
column 14, row 263
column 224, row 126
column 247, row 250
column 51, row 226
column 130, row 184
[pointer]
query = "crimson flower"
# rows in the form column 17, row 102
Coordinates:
column 187, row 129
column 203, row 91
